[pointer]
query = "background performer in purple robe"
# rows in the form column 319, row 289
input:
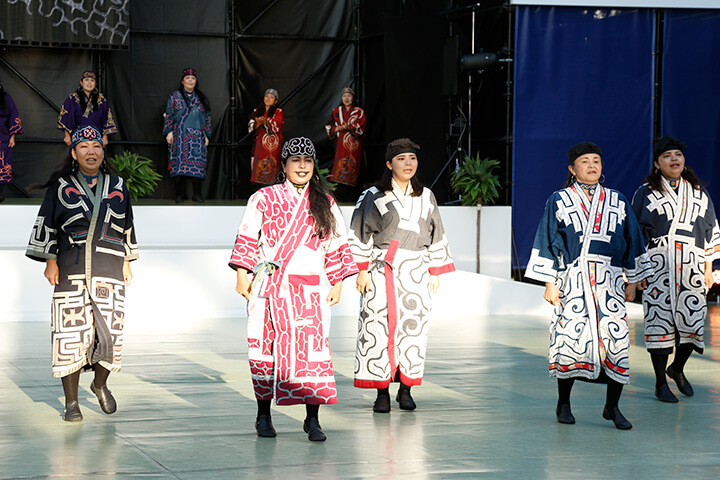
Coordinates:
column 10, row 126
column 86, row 106
column 587, row 239
column 84, row 234
column 680, row 230
column 187, row 130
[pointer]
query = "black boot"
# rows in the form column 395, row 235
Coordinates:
column 404, row 398
column 564, row 414
column 263, row 422
column 70, row 388
column 99, row 388
column 382, row 402
column 311, row 425
column 197, row 195
column 675, row 370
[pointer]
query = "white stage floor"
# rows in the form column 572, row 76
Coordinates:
column 485, row 410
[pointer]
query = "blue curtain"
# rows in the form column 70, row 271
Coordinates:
column 580, row 74
column 691, row 89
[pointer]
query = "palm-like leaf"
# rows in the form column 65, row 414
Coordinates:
column 475, row 181
column 138, row 172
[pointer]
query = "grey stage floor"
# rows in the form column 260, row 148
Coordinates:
column 486, row 410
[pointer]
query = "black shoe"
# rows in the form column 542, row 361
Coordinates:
column 382, row 404
column 681, row 381
column 618, row 419
column 178, row 199
column 72, row 412
column 564, row 415
column 105, row 398
column 198, row 199
column 264, row 426
column 664, row 394
column 311, row 426
column 405, row 399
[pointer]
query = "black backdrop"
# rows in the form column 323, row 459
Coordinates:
column 391, row 52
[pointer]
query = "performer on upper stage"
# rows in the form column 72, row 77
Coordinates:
column 587, row 238
column 86, row 106
column 187, row 130
column 10, row 126
column 347, row 127
column 680, row 229
column 291, row 238
column 84, row 234
column 267, row 122
column 399, row 244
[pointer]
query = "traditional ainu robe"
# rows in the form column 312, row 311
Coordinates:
column 584, row 247
column 73, row 116
column 348, row 143
column 681, row 233
column 288, row 316
column 9, row 125
column 90, row 235
column 190, row 123
column 268, row 144
column 400, row 240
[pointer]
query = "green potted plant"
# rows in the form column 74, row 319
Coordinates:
column 138, row 172
column 477, row 184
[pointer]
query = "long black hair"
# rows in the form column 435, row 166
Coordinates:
column 320, row 204
column 654, row 179
column 385, row 183
column 260, row 110
column 94, row 95
column 203, row 98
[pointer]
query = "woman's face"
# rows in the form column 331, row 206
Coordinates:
column 189, row 82
column 587, row 168
column 299, row 169
column 88, row 84
column 347, row 99
column 403, row 166
column 671, row 163
column 89, row 156
column 269, row 100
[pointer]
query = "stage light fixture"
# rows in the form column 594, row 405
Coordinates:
column 477, row 61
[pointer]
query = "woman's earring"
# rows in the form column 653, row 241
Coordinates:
column 74, row 164
column 602, row 178
column 281, row 176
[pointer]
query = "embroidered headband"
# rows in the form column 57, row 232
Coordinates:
column 348, row 90
column 88, row 74
column 187, row 72
column 272, row 91
column 667, row 143
column 401, row 145
column 88, row 133
column 583, row 148
column 298, row 146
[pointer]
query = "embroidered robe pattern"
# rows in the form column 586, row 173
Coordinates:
column 584, row 247
column 90, row 235
column 190, row 123
column 400, row 240
column 288, row 316
column 10, row 125
column 681, row 233
column 73, row 116
column 348, row 143
column 265, row 162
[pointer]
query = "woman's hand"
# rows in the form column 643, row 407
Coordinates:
column 67, row 138
column 105, row 140
column 363, row 282
column 630, row 290
column 169, row 138
column 552, row 295
column 334, row 295
column 434, row 283
column 127, row 274
column 11, row 142
column 259, row 121
column 52, row 272
column 207, row 141
column 243, row 286
column 709, row 280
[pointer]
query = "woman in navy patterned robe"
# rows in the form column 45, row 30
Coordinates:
column 10, row 126
column 587, row 239
column 86, row 106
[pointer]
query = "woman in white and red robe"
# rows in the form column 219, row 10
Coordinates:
column 399, row 244
column 291, row 239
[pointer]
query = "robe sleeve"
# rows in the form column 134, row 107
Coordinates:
column 357, row 122
column 169, row 114
column 43, row 238
column 66, row 120
column 639, row 201
column 544, row 262
column 339, row 263
column 109, row 127
column 208, row 125
column 712, row 234
column 330, row 125
column 129, row 241
column 246, row 251
column 636, row 261
column 274, row 124
column 363, row 224
column 15, row 125
column 439, row 250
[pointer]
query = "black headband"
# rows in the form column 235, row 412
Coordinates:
column 668, row 143
column 401, row 145
column 583, row 148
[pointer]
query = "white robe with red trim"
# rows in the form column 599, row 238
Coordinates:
column 288, row 315
column 400, row 240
